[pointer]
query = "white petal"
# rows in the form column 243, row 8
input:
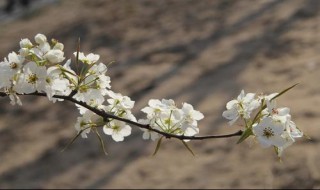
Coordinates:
column 125, row 131
column 265, row 143
column 107, row 130
column 231, row 104
column 117, row 137
column 230, row 114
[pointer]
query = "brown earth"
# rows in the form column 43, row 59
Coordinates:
column 201, row 52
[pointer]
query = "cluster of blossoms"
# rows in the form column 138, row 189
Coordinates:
column 166, row 117
column 40, row 68
column 271, row 126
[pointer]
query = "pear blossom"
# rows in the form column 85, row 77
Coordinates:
column 14, row 98
column 277, row 113
column 119, row 101
column 54, row 56
column 32, row 79
column 240, row 107
column 191, row 115
column 84, row 124
column 86, row 94
column 117, row 129
column 88, row 59
column 9, row 68
column 55, row 84
column 269, row 132
column 148, row 134
column 165, row 116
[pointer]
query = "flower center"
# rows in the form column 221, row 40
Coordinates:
column 116, row 128
column 83, row 89
column 268, row 132
column 275, row 111
column 13, row 65
column 32, row 78
column 48, row 80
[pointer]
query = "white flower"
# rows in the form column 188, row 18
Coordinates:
column 103, row 83
column 148, row 134
column 154, row 108
column 41, row 50
column 191, row 115
column 32, row 79
column 14, row 98
column 165, row 116
column 117, row 129
column 288, row 141
column 119, row 101
column 100, row 82
column 69, row 74
column 98, row 69
column 231, row 114
column 54, row 56
column 89, row 59
column 191, row 131
column 90, row 96
column 55, row 84
column 40, row 39
column 292, row 129
column 269, row 132
column 240, row 107
column 84, row 123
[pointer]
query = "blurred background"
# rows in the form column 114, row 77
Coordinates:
column 201, row 52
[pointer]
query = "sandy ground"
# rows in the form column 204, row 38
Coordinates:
column 202, row 52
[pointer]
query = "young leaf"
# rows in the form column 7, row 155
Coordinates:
column 101, row 141
column 188, row 147
column 284, row 91
column 248, row 132
column 72, row 140
column 158, row 146
column 77, row 57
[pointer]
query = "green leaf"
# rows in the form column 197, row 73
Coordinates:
column 158, row 146
column 248, row 132
column 263, row 106
column 284, row 91
column 77, row 56
column 188, row 147
column 277, row 152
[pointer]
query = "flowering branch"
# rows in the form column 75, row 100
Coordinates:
column 107, row 116
column 38, row 69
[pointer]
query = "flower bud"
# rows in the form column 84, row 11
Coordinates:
column 25, row 43
column 40, row 38
column 54, row 56
column 58, row 46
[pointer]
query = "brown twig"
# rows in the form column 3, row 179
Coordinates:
column 106, row 116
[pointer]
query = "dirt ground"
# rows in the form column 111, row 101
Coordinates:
column 201, row 52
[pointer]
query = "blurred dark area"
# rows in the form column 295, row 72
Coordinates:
column 201, row 52
column 11, row 4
